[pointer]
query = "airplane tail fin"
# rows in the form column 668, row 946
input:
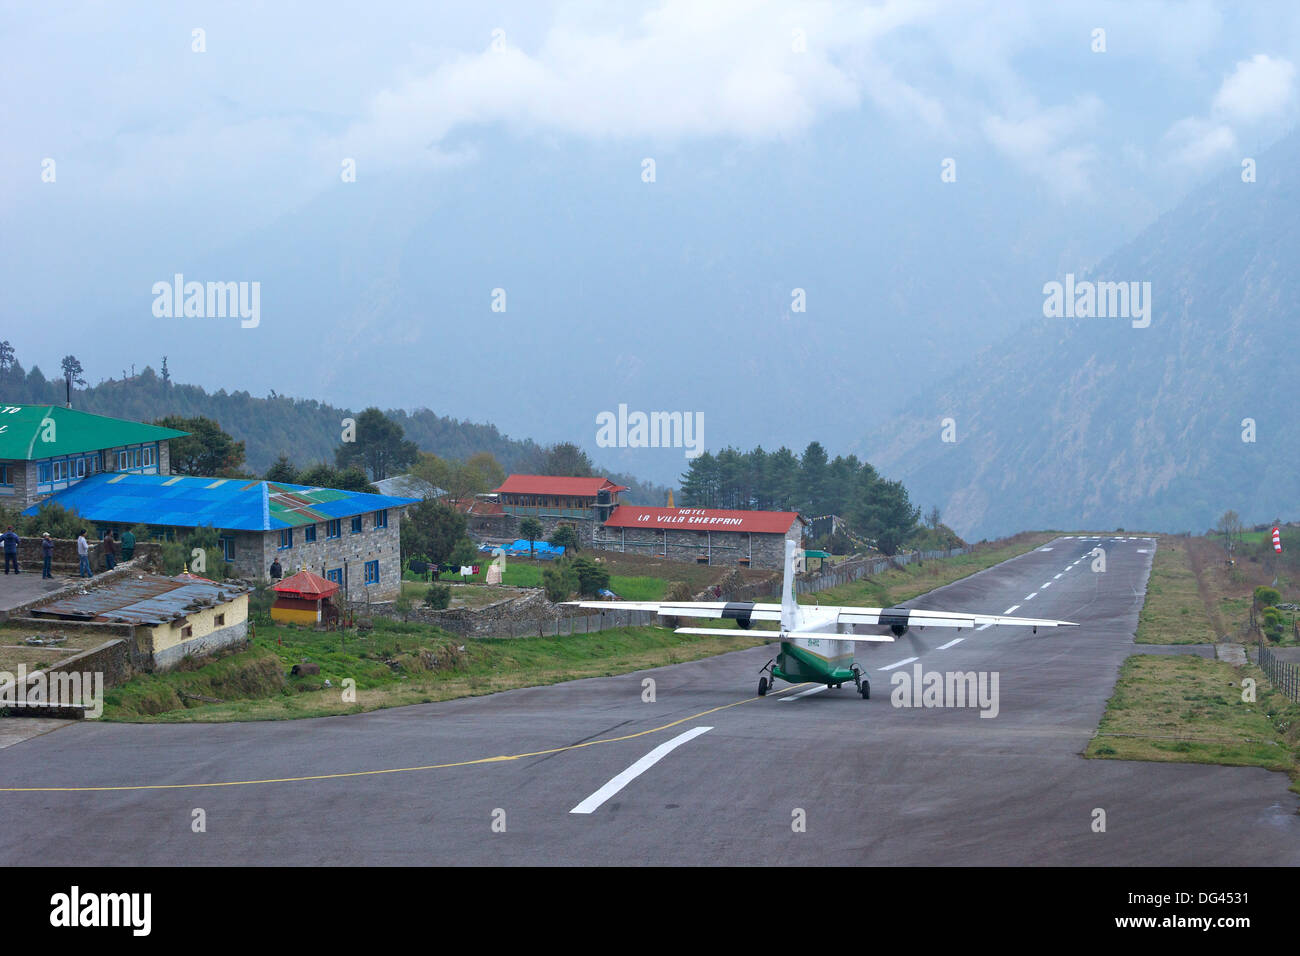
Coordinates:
column 790, row 614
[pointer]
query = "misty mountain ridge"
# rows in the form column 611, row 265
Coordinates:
column 1159, row 423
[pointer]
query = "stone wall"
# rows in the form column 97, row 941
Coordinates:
column 488, row 621
column 65, row 553
column 506, row 527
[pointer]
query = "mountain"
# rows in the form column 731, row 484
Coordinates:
column 1095, row 423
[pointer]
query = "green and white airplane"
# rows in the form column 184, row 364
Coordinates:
column 818, row 641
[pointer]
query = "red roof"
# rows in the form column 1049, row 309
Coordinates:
column 702, row 519
column 556, row 485
column 307, row 586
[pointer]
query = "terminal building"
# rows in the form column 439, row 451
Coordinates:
column 592, row 505
column 703, row 535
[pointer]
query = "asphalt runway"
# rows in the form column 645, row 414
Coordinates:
column 871, row 783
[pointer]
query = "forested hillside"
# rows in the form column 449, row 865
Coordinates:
column 305, row 430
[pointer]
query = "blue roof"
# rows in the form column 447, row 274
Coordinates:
column 235, row 504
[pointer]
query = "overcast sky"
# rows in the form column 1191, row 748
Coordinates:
column 795, row 145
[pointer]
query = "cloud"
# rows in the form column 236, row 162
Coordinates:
column 1198, row 142
column 749, row 71
column 1051, row 142
column 1260, row 88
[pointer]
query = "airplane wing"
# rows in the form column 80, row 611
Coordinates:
column 913, row 617
column 881, row 617
column 716, row 610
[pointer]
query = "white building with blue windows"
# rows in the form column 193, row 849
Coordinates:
column 46, row 449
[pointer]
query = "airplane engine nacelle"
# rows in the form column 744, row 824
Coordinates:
column 896, row 620
column 744, row 623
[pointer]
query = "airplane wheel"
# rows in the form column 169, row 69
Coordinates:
column 866, row 691
column 762, row 687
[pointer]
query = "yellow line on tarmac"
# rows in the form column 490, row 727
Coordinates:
column 375, row 773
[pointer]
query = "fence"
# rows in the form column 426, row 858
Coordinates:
column 576, row 624
column 1284, row 675
column 835, row 576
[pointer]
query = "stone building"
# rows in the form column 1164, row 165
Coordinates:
column 169, row 618
column 348, row 537
column 704, row 535
column 45, row 449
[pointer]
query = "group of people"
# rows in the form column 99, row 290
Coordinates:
column 112, row 547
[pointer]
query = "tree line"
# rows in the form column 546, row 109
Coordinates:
column 811, row 484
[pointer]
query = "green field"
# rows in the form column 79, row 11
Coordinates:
column 1189, row 709
column 913, row 580
column 392, row 664
column 1174, row 611
column 519, row 574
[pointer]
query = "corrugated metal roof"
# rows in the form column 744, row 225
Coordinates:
column 147, row 600
column 232, row 504
column 33, row 432
column 408, row 486
column 556, row 485
column 702, row 519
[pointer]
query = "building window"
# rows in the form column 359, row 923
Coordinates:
column 333, row 528
column 356, row 525
column 4, row 475
column 220, row 620
column 381, row 518
column 335, row 575
column 309, row 533
column 228, row 548
column 187, row 631
column 286, row 539
column 149, row 453
column 372, row 572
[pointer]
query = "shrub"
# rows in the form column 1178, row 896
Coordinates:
column 559, row 581
column 1266, row 596
column 438, row 596
column 591, row 576
column 1274, row 623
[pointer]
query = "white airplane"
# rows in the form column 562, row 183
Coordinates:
column 817, row 641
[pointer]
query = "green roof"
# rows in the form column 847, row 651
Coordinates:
column 33, row 432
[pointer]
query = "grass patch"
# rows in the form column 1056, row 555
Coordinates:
column 1189, row 709
column 1174, row 610
column 394, row 664
column 912, row 580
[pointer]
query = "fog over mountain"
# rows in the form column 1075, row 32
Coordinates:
column 1093, row 422
column 911, row 173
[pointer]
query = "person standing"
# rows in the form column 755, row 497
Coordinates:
column 110, row 550
column 83, row 554
column 128, row 545
column 47, row 554
column 10, row 539
column 276, row 570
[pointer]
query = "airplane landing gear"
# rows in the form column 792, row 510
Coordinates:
column 864, row 685
column 762, row 687
column 767, row 681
